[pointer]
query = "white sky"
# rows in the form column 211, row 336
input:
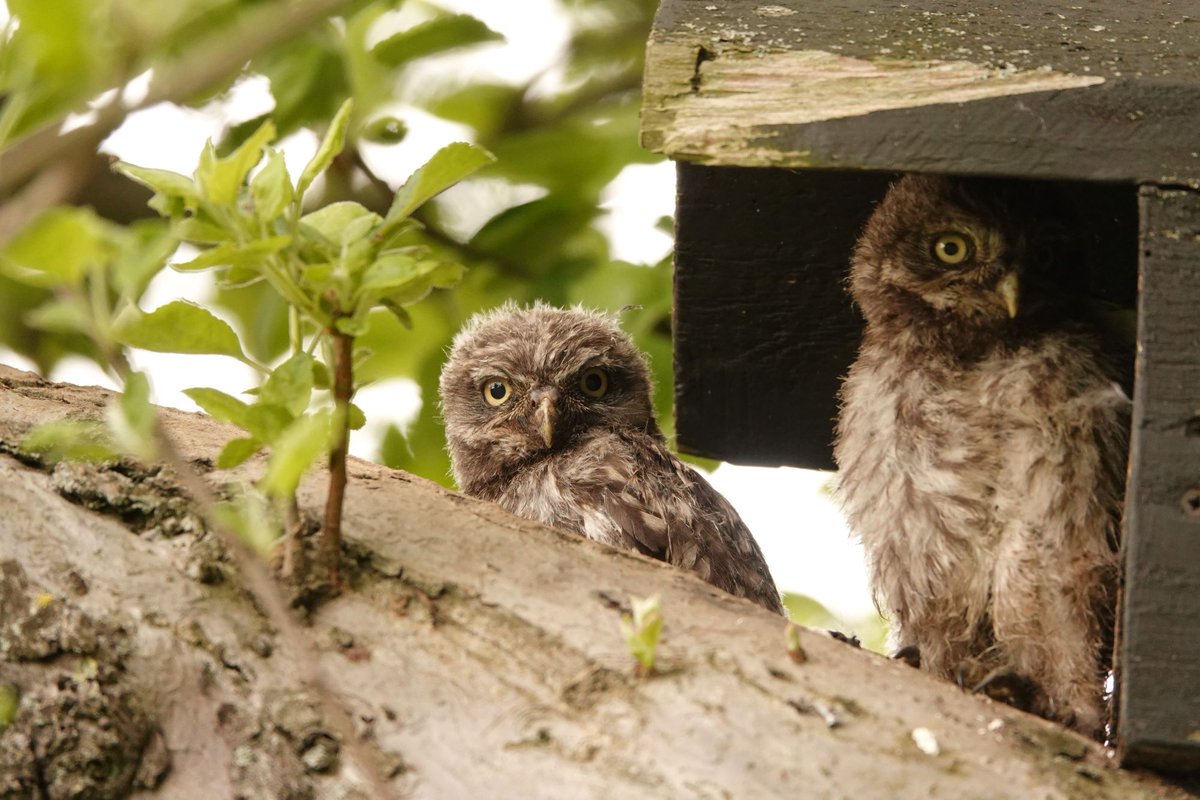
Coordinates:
column 801, row 532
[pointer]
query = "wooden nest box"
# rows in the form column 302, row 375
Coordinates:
column 788, row 121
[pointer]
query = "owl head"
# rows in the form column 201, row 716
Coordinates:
column 957, row 254
column 521, row 384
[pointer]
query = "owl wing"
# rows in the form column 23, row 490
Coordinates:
column 666, row 510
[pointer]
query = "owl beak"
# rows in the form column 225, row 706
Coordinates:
column 546, row 414
column 1009, row 289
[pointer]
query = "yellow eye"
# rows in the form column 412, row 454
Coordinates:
column 952, row 248
column 497, row 392
column 594, row 382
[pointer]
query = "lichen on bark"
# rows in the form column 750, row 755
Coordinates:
column 80, row 728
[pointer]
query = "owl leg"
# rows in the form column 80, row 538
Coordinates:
column 1013, row 688
column 1049, row 635
column 941, row 642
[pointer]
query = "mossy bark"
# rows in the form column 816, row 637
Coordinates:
column 478, row 653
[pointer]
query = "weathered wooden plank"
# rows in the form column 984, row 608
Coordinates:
column 1108, row 91
column 1159, row 658
column 764, row 329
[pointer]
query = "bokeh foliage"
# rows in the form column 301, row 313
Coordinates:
column 569, row 132
column 566, row 133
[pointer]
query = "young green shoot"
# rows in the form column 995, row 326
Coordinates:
column 641, row 631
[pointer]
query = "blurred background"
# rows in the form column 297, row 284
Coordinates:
column 573, row 210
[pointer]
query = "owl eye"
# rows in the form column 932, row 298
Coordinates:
column 952, row 248
column 594, row 382
column 497, row 392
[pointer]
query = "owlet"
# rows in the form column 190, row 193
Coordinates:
column 548, row 414
column 982, row 444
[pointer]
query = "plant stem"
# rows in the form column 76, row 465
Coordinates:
column 343, row 390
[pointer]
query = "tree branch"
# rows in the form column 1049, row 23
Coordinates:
column 204, row 65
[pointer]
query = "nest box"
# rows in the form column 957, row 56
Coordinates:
column 788, row 120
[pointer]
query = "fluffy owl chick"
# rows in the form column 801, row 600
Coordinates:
column 982, row 443
column 548, row 414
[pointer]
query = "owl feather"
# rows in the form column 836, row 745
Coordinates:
column 548, row 414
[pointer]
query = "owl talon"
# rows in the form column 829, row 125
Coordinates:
column 1012, row 688
column 909, row 654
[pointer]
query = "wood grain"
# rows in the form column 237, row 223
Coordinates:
column 1159, row 657
column 1107, row 91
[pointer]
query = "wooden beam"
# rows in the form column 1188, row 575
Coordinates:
column 1159, row 655
column 1108, row 91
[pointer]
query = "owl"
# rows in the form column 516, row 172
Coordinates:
column 982, row 442
column 548, row 414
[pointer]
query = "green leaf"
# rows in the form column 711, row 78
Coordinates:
column 220, row 178
column 308, row 75
column 290, row 384
column 249, row 153
column 399, row 312
column 356, row 418
column 271, row 188
column 486, row 107
column 262, row 318
column 537, row 234
column 161, row 182
column 238, row 276
column 391, row 271
column 426, row 276
column 317, row 274
column 179, row 327
column 321, row 378
column 385, row 130
column 228, row 255
column 58, row 249
column 267, row 421
column 446, row 274
column 642, row 631
column 60, row 315
column 237, row 451
column 390, row 235
column 437, row 35
column 803, row 610
column 208, row 175
column 220, row 406
column 71, row 440
column 305, row 440
column 201, row 230
column 57, row 61
column 331, row 145
column 131, row 418
column 578, row 156
column 447, row 167
column 351, row 326
column 342, row 223
column 144, row 249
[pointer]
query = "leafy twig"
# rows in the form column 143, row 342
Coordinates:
column 257, row 580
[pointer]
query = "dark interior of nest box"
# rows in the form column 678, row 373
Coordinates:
column 764, row 327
